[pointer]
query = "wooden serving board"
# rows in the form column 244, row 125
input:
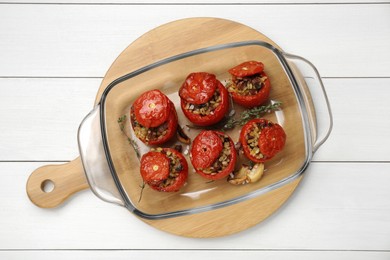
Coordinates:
column 163, row 42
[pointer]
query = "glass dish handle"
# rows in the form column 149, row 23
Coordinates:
column 315, row 98
column 94, row 159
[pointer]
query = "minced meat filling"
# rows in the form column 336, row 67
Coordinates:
column 247, row 85
column 223, row 160
column 206, row 108
column 175, row 167
column 148, row 134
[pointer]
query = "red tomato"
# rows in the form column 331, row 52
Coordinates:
column 170, row 126
column 205, row 149
column 202, row 149
column 212, row 118
column 153, row 167
column 198, row 88
column 271, row 139
column 257, row 99
column 247, row 68
column 152, row 108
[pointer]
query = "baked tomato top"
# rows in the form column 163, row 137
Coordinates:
column 152, row 108
column 247, row 68
column 164, row 169
column 272, row 140
column 205, row 149
column 210, row 112
column 156, row 135
column 213, row 161
column 154, row 167
column 262, row 139
column 198, row 87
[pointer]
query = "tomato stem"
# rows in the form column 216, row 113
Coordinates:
column 142, row 191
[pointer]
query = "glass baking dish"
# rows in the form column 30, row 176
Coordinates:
column 111, row 153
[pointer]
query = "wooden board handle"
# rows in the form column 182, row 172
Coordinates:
column 50, row 185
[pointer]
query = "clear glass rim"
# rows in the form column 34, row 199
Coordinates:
column 304, row 113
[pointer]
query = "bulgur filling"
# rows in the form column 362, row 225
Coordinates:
column 247, row 86
column 252, row 139
column 223, row 160
column 175, row 167
column 145, row 133
column 206, row 108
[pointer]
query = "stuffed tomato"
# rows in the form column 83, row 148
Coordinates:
column 203, row 99
column 262, row 139
column 153, row 118
column 213, row 155
column 249, row 86
column 164, row 169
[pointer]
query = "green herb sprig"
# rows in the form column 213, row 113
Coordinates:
column 121, row 122
column 249, row 114
column 142, row 186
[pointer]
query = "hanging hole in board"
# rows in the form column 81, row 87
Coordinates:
column 47, row 186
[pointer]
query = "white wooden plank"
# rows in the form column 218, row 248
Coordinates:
column 340, row 210
column 361, row 112
column 40, row 118
column 83, row 40
column 338, row 206
column 190, row 254
column 257, row 2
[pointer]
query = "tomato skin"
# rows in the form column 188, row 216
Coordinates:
column 172, row 127
column 198, row 87
column 272, row 140
column 172, row 122
column 210, row 119
column 258, row 99
column 225, row 172
column 205, row 149
column 151, row 108
column 247, row 68
column 268, row 147
column 154, row 167
column 181, row 175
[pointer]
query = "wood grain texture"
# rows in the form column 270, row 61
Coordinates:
column 189, row 2
column 52, row 129
column 49, row 52
column 228, row 220
column 338, row 206
column 59, row 42
column 160, row 43
column 153, row 46
column 217, row 255
column 66, row 180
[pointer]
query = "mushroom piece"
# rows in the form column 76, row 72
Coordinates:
column 247, row 174
column 182, row 137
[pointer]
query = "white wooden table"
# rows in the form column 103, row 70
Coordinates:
column 53, row 56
